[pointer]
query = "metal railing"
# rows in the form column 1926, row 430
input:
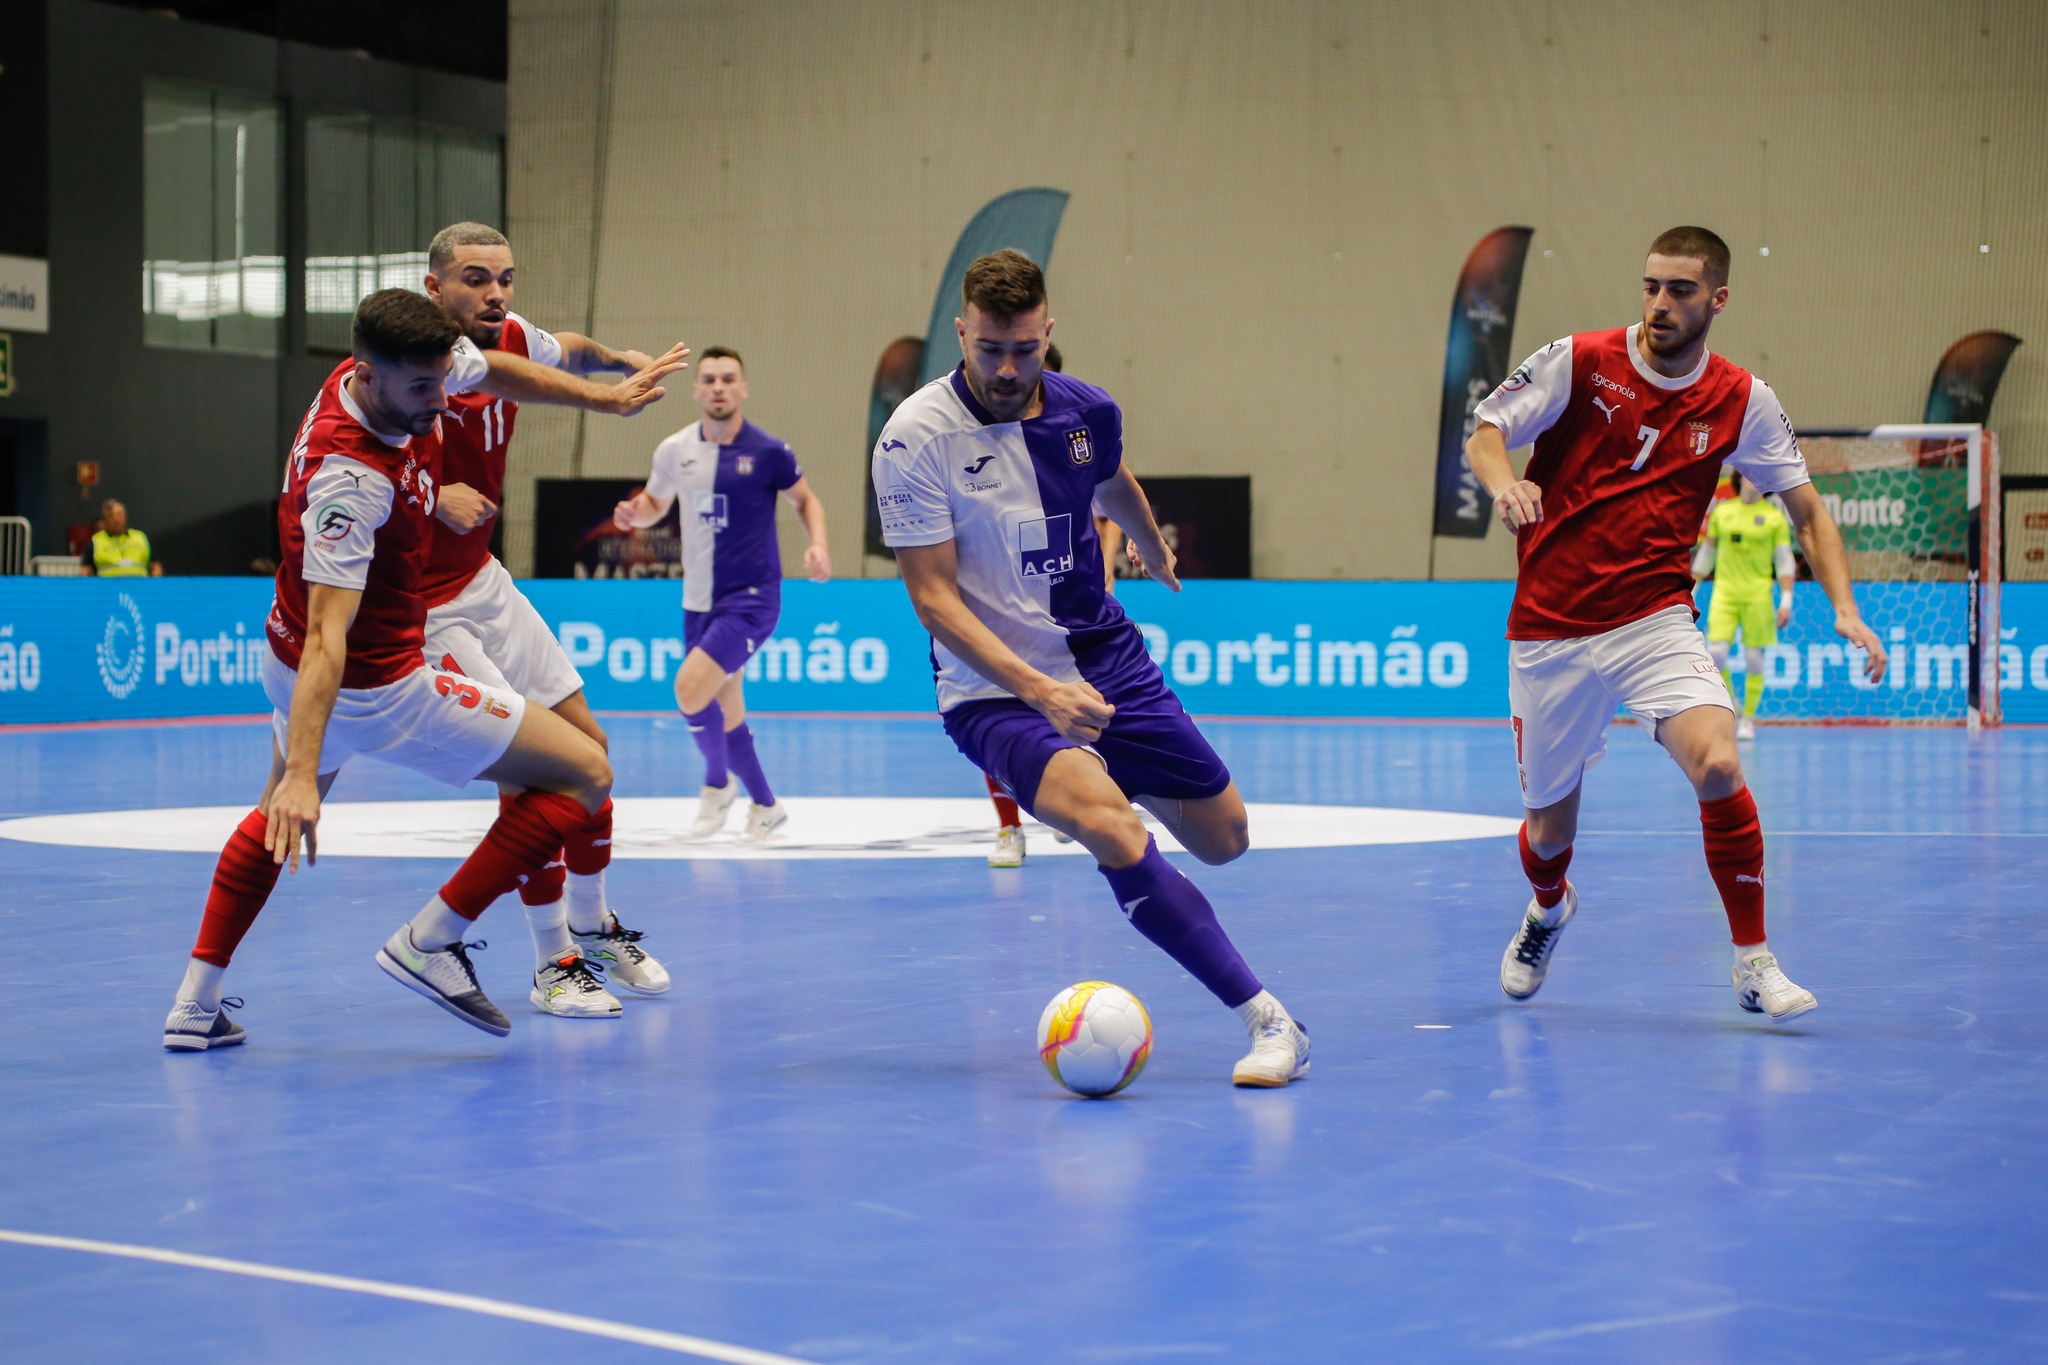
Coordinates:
column 14, row 543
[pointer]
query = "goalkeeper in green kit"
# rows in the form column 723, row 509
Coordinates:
column 1748, row 541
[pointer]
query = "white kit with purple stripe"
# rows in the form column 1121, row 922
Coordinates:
column 727, row 504
column 1018, row 499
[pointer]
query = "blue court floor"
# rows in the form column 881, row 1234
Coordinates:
column 833, row 1141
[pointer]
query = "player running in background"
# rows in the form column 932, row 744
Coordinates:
column 728, row 472
column 346, row 674
column 1631, row 427
column 1748, row 539
column 480, row 625
column 986, row 480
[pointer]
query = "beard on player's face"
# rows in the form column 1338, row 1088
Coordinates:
column 1669, row 332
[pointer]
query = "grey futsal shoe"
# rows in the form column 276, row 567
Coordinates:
column 1527, row 960
column 569, row 989
column 194, row 1028
column 445, row 976
column 617, row 951
column 1761, row 987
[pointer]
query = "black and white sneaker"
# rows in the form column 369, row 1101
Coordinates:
column 445, row 976
column 194, row 1028
column 1527, row 960
column 616, row 951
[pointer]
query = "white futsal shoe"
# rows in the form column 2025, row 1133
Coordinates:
column 763, row 821
column 194, row 1028
column 1009, row 848
column 712, row 805
column 1527, row 960
column 569, row 989
column 1761, row 987
column 445, row 976
column 1745, row 727
column 1279, row 1045
column 617, row 951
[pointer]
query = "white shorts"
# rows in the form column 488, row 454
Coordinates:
column 491, row 633
column 440, row 725
column 1563, row 694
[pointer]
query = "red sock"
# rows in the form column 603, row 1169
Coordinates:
column 589, row 850
column 1735, row 855
column 530, row 829
column 545, row 886
column 1546, row 875
column 242, row 882
column 1007, row 815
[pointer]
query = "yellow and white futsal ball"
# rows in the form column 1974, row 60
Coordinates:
column 1094, row 1038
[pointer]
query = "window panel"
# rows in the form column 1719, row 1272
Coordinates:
column 213, row 262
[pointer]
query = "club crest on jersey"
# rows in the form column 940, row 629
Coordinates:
column 1079, row 448
column 743, row 465
column 1700, row 435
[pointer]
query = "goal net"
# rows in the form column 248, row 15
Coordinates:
column 1918, row 510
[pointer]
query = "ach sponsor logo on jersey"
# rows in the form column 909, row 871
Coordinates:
column 1045, row 546
column 335, row 522
column 1079, row 448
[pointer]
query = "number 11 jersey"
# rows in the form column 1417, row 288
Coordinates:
column 1627, row 460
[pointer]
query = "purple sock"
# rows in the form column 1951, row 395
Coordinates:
column 707, row 727
column 739, row 745
column 1164, row 906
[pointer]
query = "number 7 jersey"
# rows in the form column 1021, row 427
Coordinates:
column 1627, row 460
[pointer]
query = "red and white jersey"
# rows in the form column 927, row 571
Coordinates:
column 357, row 512
column 1627, row 460
column 474, row 435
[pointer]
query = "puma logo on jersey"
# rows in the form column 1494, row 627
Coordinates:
column 1609, row 408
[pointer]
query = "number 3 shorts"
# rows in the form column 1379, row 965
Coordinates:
column 1563, row 694
column 440, row 725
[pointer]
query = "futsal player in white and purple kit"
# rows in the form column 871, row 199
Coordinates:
column 986, row 479
column 728, row 473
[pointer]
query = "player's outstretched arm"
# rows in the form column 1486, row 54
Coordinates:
column 809, row 506
column 1124, row 502
column 587, row 355
column 932, row 573
column 294, row 807
column 642, row 509
column 521, row 380
column 1518, row 502
column 1822, row 541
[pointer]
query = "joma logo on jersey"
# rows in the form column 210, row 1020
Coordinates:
column 335, row 522
column 1700, row 436
column 1046, row 546
column 977, row 466
column 1079, row 448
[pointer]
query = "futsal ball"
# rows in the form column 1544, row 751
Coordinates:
column 1094, row 1038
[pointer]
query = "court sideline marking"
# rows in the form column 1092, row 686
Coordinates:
column 438, row 1298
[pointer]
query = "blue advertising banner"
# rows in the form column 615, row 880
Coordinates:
column 100, row 650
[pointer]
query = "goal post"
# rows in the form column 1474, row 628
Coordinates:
column 1918, row 506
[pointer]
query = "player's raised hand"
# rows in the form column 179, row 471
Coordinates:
column 1852, row 629
column 1519, row 504
column 463, row 508
column 294, row 810
column 632, row 361
column 1076, row 710
column 643, row 386
column 1157, row 566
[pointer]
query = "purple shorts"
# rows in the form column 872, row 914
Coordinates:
column 1151, row 746
column 734, row 627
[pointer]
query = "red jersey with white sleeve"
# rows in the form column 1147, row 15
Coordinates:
column 356, row 512
column 1627, row 460
column 474, row 435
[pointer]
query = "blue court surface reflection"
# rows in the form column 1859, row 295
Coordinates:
column 833, row 1141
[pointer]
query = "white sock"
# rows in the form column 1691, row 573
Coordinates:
column 587, row 912
column 550, row 927
column 202, row 984
column 1255, row 1010
column 436, row 926
column 1745, row 952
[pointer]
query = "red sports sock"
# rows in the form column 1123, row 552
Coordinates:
column 1546, row 875
column 589, row 850
column 1735, row 855
column 545, row 886
column 530, row 829
column 1007, row 814
column 242, row 882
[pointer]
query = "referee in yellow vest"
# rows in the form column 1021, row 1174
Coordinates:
column 117, row 550
column 1748, row 541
